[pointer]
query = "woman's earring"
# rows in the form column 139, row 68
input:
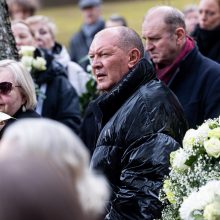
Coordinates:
column 23, row 108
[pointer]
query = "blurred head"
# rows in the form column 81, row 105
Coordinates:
column 209, row 14
column 164, row 33
column 16, row 87
column 191, row 17
column 34, row 188
column 91, row 10
column 115, row 20
column 21, row 9
column 53, row 140
column 113, row 52
column 22, row 34
column 43, row 29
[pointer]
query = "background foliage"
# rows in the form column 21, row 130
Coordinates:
column 68, row 18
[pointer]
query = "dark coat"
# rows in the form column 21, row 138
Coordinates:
column 79, row 45
column 196, row 84
column 19, row 115
column 61, row 102
column 208, row 42
column 141, row 122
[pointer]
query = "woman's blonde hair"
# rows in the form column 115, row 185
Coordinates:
column 56, row 141
column 42, row 19
column 23, row 78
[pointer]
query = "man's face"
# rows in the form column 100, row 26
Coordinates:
column 109, row 62
column 91, row 14
column 159, row 41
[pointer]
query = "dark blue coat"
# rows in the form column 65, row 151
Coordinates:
column 196, row 83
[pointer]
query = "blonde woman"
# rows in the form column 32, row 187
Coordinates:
column 17, row 92
column 53, row 140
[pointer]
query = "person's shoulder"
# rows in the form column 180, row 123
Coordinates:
column 27, row 114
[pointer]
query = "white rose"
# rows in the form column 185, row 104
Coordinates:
column 39, row 63
column 178, row 159
column 212, row 211
column 27, row 61
column 212, row 147
column 189, row 139
column 202, row 133
column 27, row 51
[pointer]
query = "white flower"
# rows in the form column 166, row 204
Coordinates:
column 189, row 139
column 212, row 147
column 202, row 133
column 39, row 63
column 212, row 211
column 214, row 133
column 178, row 159
column 208, row 194
column 27, row 51
column 27, row 61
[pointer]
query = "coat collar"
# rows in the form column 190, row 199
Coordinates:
column 108, row 103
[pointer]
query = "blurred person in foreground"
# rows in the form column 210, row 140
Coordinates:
column 55, row 142
column 21, row 9
column 207, row 32
column 92, row 24
column 56, row 97
column 193, row 78
column 33, row 188
column 17, row 93
column 191, row 15
column 44, row 31
column 139, row 123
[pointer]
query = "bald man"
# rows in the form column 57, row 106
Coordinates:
column 192, row 77
column 139, row 123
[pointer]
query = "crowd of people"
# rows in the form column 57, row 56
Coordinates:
column 108, row 162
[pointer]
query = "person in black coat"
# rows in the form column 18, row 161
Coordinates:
column 192, row 77
column 207, row 32
column 139, row 121
column 56, row 97
column 17, row 94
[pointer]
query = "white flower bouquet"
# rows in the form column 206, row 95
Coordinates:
column 192, row 189
column 29, row 61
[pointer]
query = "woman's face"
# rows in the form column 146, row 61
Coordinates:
column 209, row 14
column 22, row 35
column 42, row 35
column 10, row 100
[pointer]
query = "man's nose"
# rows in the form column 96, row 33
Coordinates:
column 95, row 62
column 149, row 46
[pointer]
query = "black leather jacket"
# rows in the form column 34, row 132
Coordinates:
column 140, row 122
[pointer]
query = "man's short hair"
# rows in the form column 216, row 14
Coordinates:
column 173, row 17
column 129, row 39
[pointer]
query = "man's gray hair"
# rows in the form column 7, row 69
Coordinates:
column 129, row 39
column 173, row 17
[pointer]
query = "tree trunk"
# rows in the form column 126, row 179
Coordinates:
column 7, row 42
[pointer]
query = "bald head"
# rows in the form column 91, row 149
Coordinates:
column 172, row 17
column 113, row 52
column 124, row 37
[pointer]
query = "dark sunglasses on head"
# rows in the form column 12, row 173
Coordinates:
column 6, row 87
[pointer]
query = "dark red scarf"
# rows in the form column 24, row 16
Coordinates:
column 165, row 74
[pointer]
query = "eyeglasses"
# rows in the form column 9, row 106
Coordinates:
column 6, row 87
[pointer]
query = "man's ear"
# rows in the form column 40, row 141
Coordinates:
column 180, row 35
column 134, row 57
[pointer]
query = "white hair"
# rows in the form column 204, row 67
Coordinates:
column 56, row 141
